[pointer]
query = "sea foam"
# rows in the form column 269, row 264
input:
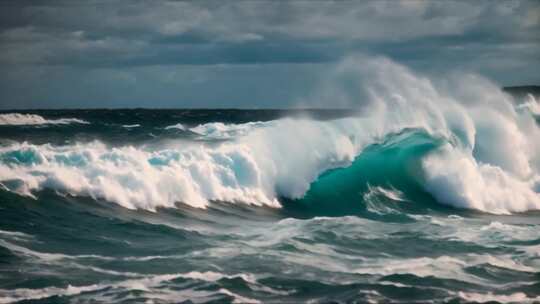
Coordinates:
column 33, row 119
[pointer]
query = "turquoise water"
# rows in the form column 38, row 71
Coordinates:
column 365, row 230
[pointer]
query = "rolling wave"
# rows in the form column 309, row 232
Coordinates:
column 17, row 119
column 412, row 162
column 469, row 147
column 219, row 130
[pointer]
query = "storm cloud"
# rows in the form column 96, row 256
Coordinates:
column 246, row 53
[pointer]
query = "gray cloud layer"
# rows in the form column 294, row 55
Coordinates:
column 245, row 53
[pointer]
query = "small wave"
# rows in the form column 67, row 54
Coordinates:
column 22, row 294
column 218, row 130
column 447, row 267
column 518, row 297
column 45, row 257
column 60, row 260
column 15, row 234
column 144, row 283
column 16, row 119
column 131, row 126
column 57, row 257
column 178, row 126
column 150, row 284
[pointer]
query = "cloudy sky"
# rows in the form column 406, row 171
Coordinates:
column 255, row 54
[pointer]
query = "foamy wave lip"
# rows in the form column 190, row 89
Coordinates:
column 392, row 193
column 445, row 267
column 218, row 130
column 16, row 119
column 143, row 283
column 455, row 178
column 518, row 297
column 531, row 104
column 178, row 126
column 151, row 285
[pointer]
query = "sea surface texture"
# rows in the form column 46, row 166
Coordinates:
column 429, row 199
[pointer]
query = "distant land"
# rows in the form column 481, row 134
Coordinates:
column 522, row 91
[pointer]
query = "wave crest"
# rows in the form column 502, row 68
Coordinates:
column 16, row 119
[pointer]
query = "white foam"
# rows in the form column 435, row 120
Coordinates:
column 34, row 294
column 63, row 260
column 20, row 294
column 493, row 233
column 518, row 297
column 531, row 104
column 33, row 119
column 218, row 130
column 211, row 276
column 376, row 196
column 455, row 178
column 178, row 126
column 392, row 194
column 46, row 257
column 238, row 298
column 137, row 281
column 15, row 234
column 151, row 284
column 441, row 267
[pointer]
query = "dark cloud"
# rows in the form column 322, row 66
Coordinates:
column 118, row 41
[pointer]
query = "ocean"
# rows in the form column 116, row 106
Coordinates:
column 439, row 205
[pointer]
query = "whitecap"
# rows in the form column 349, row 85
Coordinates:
column 16, row 119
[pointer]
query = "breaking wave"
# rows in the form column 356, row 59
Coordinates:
column 219, row 130
column 461, row 142
column 17, row 119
